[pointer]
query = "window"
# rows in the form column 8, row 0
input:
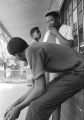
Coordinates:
column 67, row 13
column 80, row 6
column 78, row 1
column 75, row 35
column 74, row 4
column 75, row 19
column 74, row 16
column 71, row 21
column 70, row 8
column 80, row 19
column 81, row 39
column 81, row 35
column 68, row 23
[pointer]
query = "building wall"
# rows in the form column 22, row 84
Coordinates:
column 73, row 109
column 55, row 5
column 72, row 13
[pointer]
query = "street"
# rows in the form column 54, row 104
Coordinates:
column 8, row 94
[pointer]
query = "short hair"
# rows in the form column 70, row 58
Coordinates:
column 33, row 30
column 55, row 14
column 16, row 45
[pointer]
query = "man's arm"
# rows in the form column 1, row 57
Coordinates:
column 38, row 90
column 62, row 40
column 69, row 43
column 23, row 97
column 19, row 100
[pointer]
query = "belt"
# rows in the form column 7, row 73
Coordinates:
column 76, row 72
column 73, row 72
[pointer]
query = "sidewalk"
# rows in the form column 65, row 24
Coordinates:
column 8, row 94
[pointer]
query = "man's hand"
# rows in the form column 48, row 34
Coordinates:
column 14, row 114
column 8, row 111
column 7, row 116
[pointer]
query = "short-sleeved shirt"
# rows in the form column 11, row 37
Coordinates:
column 65, row 31
column 51, row 58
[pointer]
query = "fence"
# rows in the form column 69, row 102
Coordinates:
column 15, row 75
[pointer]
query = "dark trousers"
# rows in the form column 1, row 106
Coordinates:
column 58, row 91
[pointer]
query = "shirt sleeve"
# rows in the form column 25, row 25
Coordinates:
column 35, row 59
column 66, row 32
column 45, row 39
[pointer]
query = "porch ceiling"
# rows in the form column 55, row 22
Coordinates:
column 18, row 16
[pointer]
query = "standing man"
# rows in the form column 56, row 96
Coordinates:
column 35, row 34
column 58, row 34
column 61, row 33
column 44, row 99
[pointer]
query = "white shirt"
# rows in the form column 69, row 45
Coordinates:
column 65, row 31
column 46, row 36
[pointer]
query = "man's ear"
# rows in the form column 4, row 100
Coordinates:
column 58, row 19
column 32, row 36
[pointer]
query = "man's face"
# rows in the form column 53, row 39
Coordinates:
column 36, row 35
column 20, row 57
column 51, row 22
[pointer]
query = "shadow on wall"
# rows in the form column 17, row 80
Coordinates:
column 73, row 109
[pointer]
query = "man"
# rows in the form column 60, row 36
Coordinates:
column 43, row 99
column 64, row 37
column 56, row 32
column 53, row 26
column 35, row 34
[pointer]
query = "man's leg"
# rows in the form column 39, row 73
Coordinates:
column 57, row 113
column 57, row 92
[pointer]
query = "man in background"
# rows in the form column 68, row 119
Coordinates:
column 35, row 34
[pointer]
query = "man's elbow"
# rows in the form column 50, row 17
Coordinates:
column 41, row 91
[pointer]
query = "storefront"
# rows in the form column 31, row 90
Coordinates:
column 72, row 13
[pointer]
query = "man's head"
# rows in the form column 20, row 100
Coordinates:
column 16, row 47
column 52, row 19
column 35, row 33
